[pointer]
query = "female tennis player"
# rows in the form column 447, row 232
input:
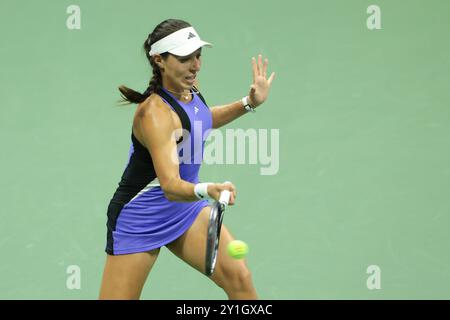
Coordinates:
column 159, row 200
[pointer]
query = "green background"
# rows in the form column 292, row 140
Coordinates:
column 363, row 116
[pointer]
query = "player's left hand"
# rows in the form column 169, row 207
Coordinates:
column 259, row 90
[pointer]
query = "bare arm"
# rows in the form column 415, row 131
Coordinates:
column 156, row 125
column 221, row 115
column 259, row 91
column 157, row 129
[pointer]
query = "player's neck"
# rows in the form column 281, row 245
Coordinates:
column 181, row 94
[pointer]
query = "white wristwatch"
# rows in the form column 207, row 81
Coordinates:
column 247, row 105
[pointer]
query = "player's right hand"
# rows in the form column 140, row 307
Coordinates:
column 215, row 189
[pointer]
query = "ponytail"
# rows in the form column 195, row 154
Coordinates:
column 161, row 30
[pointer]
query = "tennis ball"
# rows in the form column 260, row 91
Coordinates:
column 237, row 249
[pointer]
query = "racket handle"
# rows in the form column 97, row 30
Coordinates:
column 225, row 197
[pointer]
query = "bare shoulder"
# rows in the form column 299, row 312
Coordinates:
column 153, row 106
column 152, row 119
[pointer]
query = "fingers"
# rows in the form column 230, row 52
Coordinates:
column 230, row 186
column 231, row 203
column 266, row 62
column 255, row 69
column 215, row 191
column 272, row 76
column 259, row 64
column 259, row 69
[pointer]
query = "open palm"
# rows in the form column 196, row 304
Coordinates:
column 259, row 90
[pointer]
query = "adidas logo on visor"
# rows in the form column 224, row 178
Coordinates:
column 191, row 35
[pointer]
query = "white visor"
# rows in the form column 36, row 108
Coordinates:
column 180, row 43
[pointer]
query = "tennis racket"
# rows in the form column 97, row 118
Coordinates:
column 214, row 226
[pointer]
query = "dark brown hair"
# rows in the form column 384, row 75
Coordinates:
column 161, row 30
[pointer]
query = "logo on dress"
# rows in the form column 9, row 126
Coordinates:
column 191, row 35
column 196, row 110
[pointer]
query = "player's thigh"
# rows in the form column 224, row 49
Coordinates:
column 124, row 275
column 191, row 248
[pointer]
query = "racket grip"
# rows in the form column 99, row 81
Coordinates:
column 225, row 197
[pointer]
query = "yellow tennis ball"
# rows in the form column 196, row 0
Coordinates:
column 237, row 249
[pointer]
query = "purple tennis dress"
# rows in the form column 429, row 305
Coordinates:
column 140, row 217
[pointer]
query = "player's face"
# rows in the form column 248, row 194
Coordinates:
column 181, row 72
